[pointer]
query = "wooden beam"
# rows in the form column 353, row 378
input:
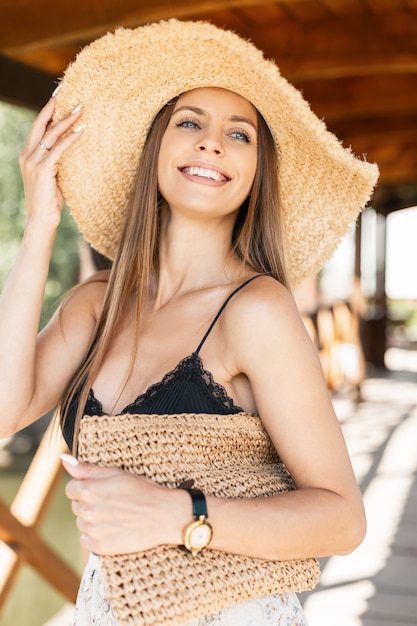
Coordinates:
column 401, row 127
column 310, row 68
column 49, row 21
column 36, row 552
column 11, row 561
column 335, row 47
column 348, row 46
column 39, row 23
column 362, row 97
column 397, row 162
column 389, row 141
column 52, row 60
column 41, row 479
column 23, row 85
column 20, row 539
column 342, row 33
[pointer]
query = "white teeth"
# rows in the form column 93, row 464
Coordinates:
column 200, row 171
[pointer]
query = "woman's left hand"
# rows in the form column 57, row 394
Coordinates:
column 118, row 512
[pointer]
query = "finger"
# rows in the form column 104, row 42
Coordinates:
column 40, row 125
column 58, row 130
column 91, row 537
column 76, row 507
column 57, row 149
column 82, row 471
column 83, row 512
column 69, row 462
column 90, row 545
column 84, row 527
column 74, row 490
column 74, row 467
column 44, row 133
column 84, row 509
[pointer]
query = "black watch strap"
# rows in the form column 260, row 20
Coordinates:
column 198, row 500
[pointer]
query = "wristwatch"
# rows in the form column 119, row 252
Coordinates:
column 198, row 533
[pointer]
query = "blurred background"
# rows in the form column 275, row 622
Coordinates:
column 356, row 63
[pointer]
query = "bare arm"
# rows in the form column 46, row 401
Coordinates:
column 24, row 370
column 325, row 515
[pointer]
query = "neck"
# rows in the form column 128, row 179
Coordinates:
column 195, row 255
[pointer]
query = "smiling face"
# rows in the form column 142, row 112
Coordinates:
column 208, row 154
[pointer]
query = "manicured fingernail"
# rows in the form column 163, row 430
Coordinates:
column 79, row 128
column 71, row 460
column 77, row 108
column 55, row 91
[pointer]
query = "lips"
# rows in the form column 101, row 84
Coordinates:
column 203, row 172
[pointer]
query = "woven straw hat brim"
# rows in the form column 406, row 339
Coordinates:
column 124, row 78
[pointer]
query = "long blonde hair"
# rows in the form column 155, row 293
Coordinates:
column 258, row 240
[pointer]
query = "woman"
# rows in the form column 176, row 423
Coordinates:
column 196, row 315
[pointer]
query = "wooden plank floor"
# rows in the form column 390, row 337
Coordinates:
column 377, row 584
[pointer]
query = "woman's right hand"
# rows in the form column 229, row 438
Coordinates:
column 39, row 162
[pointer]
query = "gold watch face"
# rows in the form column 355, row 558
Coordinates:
column 197, row 535
column 200, row 536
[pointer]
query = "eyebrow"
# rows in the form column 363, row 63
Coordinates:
column 233, row 118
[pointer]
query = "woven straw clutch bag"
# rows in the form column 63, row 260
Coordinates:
column 229, row 456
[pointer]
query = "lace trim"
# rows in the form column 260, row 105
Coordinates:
column 94, row 406
column 190, row 368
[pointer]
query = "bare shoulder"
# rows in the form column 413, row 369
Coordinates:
column 100, row 277
column 97, row 282
column 263, row 301
column 88, row 295
column 263, row 319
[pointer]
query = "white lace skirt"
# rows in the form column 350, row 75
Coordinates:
column 93, row 607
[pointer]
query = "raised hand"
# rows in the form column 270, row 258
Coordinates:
column 25, row 367
column 39, row 162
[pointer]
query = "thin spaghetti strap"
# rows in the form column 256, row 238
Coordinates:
column 225, row 303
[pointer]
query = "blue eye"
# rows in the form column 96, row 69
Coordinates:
column 240, row 135
column 187, row 123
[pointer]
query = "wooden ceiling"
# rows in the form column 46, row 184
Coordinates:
column 354, row 60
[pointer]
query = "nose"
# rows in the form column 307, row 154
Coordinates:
column 211, row 142
column 203, row 147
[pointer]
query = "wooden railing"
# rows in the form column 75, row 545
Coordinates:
column 335, row 332
column 20, row 541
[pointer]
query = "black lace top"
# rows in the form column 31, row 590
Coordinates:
column 188, row 388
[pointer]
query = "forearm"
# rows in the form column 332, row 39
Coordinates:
column 119, row 512
column 20, row 311
column 298, row 524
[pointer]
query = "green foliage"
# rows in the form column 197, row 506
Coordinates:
column 15, row 124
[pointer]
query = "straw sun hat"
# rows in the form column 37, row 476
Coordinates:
column 124, row 78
